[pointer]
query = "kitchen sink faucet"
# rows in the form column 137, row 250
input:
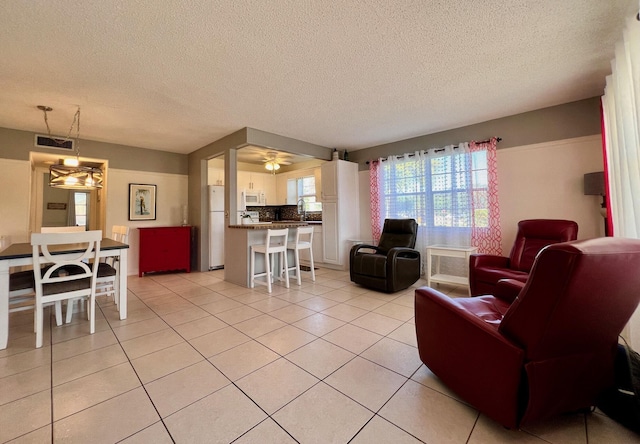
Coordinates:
column 301, row 209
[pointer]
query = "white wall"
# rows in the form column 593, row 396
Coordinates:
column 15, row 183
column 171, row 196
column 545, row 181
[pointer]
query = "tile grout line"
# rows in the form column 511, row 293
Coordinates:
column 253, row 339
column 141, row 385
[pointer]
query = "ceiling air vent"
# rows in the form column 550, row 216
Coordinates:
column 51, row 142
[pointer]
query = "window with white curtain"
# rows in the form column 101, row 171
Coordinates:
column 451, row 192
column 447, row 190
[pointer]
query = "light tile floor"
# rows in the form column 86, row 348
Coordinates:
column 201, row 360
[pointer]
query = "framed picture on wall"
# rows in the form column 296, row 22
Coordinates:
column 142, row 201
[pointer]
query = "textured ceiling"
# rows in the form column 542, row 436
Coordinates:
column 177, row 75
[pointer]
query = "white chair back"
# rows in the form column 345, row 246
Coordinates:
column 68, row 276
column 304, row 241
column 277, row 240
column 120, row 233
column 304, row 235
column 71, row 229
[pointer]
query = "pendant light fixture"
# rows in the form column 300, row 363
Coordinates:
column 71, row 174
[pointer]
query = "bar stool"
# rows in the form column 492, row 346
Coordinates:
column 276, row 244
column 304, row 240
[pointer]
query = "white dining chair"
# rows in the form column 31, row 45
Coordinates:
column 276, row 244
column 109, row 271
column 68, row 276
column 22, row 295
column 303, row 241
column 71, row 229
column 64, row 229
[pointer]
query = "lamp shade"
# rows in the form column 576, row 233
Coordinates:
column 594, row 184
column 75, row 178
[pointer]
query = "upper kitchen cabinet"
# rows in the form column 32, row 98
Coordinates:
column 215, row 176
column 329, row 174
column 269, row 188
column 281, row 188
column 252, row 181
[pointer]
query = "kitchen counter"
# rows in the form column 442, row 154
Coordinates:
column 240, row 238
column 270, row 225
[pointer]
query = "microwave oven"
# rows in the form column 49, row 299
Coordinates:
column 252, row 198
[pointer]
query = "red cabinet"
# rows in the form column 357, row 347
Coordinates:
column 164, row 249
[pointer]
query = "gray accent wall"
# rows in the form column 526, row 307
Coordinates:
column 16, row 144
column 570, row 120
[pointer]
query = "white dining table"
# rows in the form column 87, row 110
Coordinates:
column 21, row 254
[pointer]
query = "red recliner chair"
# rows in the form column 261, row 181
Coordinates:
column 485, row 270
column 538, row 349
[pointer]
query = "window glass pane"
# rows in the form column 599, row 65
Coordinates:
column 446, row 191
column 306, row 187
column 81, row 206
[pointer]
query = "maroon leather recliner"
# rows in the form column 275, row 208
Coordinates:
column 548, row 351
column 485, row 270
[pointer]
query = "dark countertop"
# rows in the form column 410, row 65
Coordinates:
column 270, row 225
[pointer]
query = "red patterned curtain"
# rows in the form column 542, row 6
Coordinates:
column 376, row 222
column 488, row 239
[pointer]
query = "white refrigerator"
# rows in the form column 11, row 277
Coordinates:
column 216, row 226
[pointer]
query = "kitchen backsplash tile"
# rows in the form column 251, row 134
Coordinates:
column 287, row 212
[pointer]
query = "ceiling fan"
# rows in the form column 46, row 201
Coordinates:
column 273, row 160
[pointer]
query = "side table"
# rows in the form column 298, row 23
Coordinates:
column 447, row 251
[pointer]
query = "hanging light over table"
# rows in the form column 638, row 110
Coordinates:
column 71, row 174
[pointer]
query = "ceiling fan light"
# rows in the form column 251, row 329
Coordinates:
column 272, row 165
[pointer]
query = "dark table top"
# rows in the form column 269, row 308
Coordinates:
column 24, row 249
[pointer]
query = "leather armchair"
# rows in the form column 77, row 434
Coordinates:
column 393, row 265
column 548, row 351
column 485, row 270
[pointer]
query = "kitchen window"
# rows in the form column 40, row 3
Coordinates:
column 306, row 190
